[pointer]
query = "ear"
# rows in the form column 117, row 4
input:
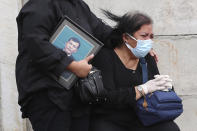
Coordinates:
column 125, row 37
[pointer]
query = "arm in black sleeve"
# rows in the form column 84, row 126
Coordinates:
column 100, row 30
column 123, row 96
column 36, row 22
column 116, row 95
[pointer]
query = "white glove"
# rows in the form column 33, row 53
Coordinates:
column 168, row 81
column 161, row 82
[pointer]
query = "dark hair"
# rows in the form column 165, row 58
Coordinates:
column 128, row 23
column 75, row 40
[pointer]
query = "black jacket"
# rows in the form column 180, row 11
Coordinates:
column 119, row 82
column 37, row 21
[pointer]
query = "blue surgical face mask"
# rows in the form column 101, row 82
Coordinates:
column 142, row 48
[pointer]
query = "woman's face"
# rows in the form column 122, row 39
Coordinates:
column 144, row 33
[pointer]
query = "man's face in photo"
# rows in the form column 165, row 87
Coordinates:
column 71, row 47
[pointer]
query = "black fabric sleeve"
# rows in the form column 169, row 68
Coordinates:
column 123, row 96
column 116, row 95
column 36, row 22
column 100, row 29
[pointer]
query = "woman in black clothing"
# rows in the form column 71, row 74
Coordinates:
column 122, row 75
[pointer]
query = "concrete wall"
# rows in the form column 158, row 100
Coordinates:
column 9, row 112
column 175, row 25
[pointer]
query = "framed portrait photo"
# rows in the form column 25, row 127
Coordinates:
column 76, row 43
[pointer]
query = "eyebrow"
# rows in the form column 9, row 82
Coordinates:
column 147, row 33
column 144, row 33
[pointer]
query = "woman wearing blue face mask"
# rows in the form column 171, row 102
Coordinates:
column 131, row 40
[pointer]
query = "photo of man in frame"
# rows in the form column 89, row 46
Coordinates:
column 74, row 45
column 71, row 46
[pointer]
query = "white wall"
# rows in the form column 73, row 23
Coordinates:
column 174, row 21
column 10, row 115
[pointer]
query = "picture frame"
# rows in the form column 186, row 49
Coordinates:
column 76, row 43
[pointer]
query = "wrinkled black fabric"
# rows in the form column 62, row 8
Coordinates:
column 119, row 114
column 37, row 21
column 119, row 82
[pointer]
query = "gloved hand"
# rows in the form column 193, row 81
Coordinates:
column 168, row 81
column 161, row 82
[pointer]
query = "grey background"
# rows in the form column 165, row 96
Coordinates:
column 175, row 24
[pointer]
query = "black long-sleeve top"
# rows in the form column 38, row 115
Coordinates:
column 37, row 21
column 119, row 82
